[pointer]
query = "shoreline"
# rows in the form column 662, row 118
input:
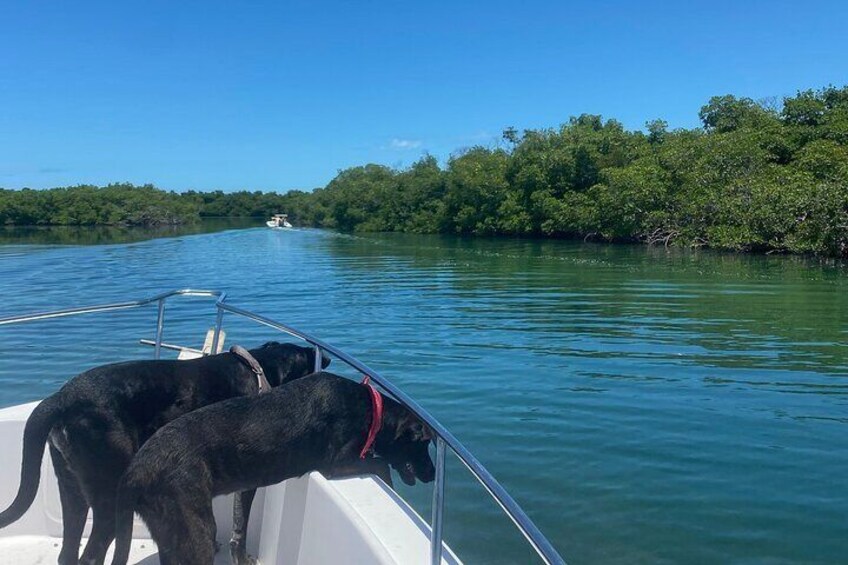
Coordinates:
column 115, row 235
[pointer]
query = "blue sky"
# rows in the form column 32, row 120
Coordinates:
column 280, row 95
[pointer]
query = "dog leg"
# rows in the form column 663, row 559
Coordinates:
column 197, row 546
column 152, row 509
column 215, row 544
column 242, row 502
column 182, row 526
column 102, row 532
column 74, row 508
column 165, row 558
column 107, row 451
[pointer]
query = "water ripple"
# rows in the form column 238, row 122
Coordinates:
column 643, row 405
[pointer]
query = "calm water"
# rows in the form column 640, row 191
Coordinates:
column 644, row 406
column 109, row 235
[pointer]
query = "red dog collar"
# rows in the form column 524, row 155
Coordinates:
column 376, row 418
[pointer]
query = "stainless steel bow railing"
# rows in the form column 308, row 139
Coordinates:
column 444, row 438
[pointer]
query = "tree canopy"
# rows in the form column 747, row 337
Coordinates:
column 758, row 176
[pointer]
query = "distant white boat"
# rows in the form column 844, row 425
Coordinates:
column 279, row 221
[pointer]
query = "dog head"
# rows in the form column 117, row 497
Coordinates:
column 404, row 442
column 284, row 362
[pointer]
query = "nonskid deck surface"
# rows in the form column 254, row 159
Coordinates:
column 31, row 550
column 370, row 524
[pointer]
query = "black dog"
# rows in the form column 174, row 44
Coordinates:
column 99, row 419
column 323, row 423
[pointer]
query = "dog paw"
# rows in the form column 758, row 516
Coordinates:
column 245, row 560
column 238, row 554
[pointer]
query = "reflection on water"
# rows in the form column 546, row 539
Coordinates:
column 643, row 405
column 694, row 302
column 107, row 235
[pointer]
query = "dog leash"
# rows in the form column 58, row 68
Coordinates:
column 254, row 365
column 376, row 416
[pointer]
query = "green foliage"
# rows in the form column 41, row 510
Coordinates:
column 129, row 205
column 354, row 199
column 415, row 201
column 824, row 159
column 476, row 191
column 756, row 177
column 727, row 113
column 635, row 202
column 84, row 205
column 657, row 131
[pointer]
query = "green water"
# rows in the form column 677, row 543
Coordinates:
column 643, row 405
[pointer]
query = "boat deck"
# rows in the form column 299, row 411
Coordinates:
column 28, row 550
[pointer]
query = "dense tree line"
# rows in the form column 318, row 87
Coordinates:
column 244, row 204
column 85, row 205
column 129, row 205
column 755, row 177
column 761, row 176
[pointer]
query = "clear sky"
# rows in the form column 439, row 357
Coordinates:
column 280, row 95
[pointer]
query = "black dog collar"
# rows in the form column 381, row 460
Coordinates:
column 254, row 365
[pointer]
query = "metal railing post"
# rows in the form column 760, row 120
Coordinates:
column 318, row 360
column 438, row 505
column 216, row 337
column 160, row 327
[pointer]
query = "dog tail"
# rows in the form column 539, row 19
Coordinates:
column 36, row 431
column 126, row 500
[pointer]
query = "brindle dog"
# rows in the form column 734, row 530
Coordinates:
column 315, row 424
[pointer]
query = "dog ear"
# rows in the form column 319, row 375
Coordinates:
column 413, row 429
column 310, row 357
column 403, row 425
column 422, row 432
column 269, row 344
